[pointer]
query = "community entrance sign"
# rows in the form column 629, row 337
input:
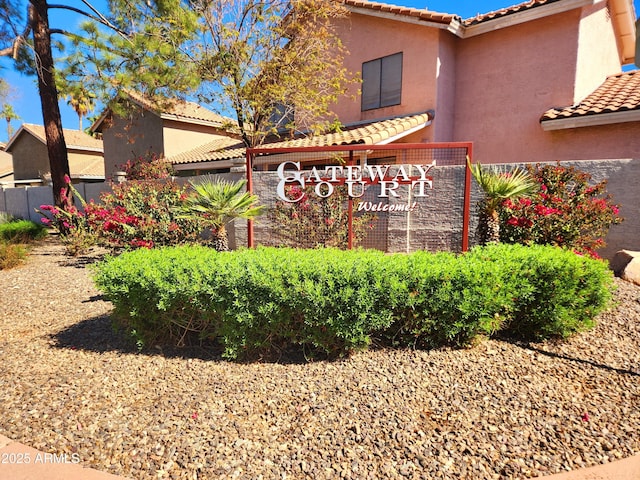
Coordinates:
column 397, row 197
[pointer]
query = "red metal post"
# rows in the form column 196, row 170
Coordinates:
column 467, row 199
column 250, row 240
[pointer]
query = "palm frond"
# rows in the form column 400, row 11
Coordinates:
column 221, row 201
column 499, row 184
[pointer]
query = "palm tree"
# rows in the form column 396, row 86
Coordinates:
column 498, row 185
column 82, row 103
column 217, row 203
column 9, row 114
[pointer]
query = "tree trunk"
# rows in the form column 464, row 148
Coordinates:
column 56, row 146
column 220, row 239
column 488, row 226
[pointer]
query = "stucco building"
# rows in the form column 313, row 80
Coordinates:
column 28, row 147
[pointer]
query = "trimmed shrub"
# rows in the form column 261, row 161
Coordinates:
column 261, row 302
column 555, row 292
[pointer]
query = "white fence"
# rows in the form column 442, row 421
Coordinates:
column 22, row 202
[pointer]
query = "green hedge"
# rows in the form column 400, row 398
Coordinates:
column 21, row 231
column 262, row 301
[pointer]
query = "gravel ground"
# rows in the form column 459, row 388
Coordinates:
column 69, row 384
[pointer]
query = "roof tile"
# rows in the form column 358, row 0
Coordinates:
column 73, row 138
column 422, row 14
column 181, row 109
column 619, row 93
column 367, row 134
column 446, row 18
column 506, row 11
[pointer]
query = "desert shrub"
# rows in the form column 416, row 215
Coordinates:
column 264, row 301
column 69, row 221
column 569, row 210
column 6, row 217
column 147, row 167
column 11, row 254
column 21, row 231
column 15, row 237
column 142, row 213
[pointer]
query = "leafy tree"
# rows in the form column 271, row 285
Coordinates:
column 276, row 63
column 140, row 48
column 498, row 185
column 218, row 203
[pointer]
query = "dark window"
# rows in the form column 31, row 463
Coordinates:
column 382, row 82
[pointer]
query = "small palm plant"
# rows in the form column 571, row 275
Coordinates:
column 498, row 185
column 218, row 202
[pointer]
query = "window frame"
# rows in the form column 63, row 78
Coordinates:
column 376, row 71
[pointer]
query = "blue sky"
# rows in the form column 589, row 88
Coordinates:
column 27, row 104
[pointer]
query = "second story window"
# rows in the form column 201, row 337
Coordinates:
column 382, row 82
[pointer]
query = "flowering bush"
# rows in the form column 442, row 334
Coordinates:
column 567, row 211
column 143, row 211
column 149, row 167
column 318, row 222
column 69, row 221
column 139, row 213
column 142, row 214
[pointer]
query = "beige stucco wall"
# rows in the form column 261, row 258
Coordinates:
column 181, row 137
column 125, row 139
column 30, row 158
column 598, row 55
column 621, row 140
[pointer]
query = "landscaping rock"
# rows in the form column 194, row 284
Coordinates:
column 626, row 265
column 70, row 384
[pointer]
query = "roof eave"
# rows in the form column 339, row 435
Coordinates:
column 83, row 149
column 406, row 133
column 398, row 17
column 189, row 120
column 529, row 15
column 624, row 17
column 208, row 165
column 591, row 120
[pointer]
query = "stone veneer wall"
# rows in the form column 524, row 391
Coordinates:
column 436, row 226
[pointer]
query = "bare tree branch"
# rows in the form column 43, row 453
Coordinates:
column 98, row 17
column 17, row 43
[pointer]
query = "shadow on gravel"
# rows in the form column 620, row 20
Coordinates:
column 583, row 361
column 98, row 335
column 82, row 261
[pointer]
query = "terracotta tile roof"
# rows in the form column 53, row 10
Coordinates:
column 6, row 165
column 219, row 149
column 75, row 139
column 182, row 110
column 420, row 14
column 86, row 167
column 368, row 134
column 506, row 11
column 363, row 133
column 619, row 93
